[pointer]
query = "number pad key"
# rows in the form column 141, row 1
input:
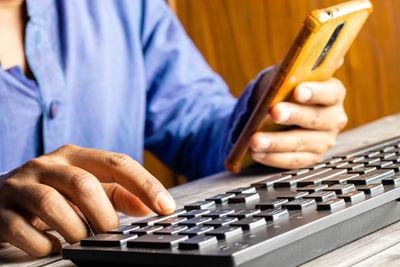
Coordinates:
column 171, row 230
column 194, row 213
column 244, row 213
column 197, row 230
column 299, row 204
column 249, row 223
column 273, row 214
column 198, row 242
column 219, row 213
column 221, row 221
column 244, row 198
column 226, row 232
column 196, row 221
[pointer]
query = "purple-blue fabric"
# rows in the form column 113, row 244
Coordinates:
column 116, row 75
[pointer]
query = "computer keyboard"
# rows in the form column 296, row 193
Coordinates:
column 283, row 220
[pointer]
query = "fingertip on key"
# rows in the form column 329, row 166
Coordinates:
column 165, row 203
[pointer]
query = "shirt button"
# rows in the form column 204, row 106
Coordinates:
column 53, row 109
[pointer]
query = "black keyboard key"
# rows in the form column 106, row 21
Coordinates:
column 242, row 190
column 371, row 188
column 362, row 170
column 124, row 229
column 107, row 240
column 312, row 188
column 332, row 160
column 299, row 204
column 341, row 189
column 219, row 213
column 226, row 232
column 388, row 148
column 200, row 205
column 244, row 198
column 369, row 154
column 195, row 221
column 347, row 155
column 395, row 159
column 156, row 241
column 383, row 156
column 152, row 220
column 380, row 164
column 317, row 166
column 371, row 149
column 353, row 196
column 171, row 230
column 293, row 180
column 146, row 230
column 371, row 177
column 273, row 214
column 194, row 213
column 244, row 213
column 198, row 242
column 352, row 166
column 395, row 167
column 340, row 179
column 318, row 179
column 331, row 204
column 355, row 160
column 249, row 223
column 270, row 181
column 197, row 230
column 291, row 195
column 369, row 160
column 221, row 222
column 171, row 221
column 271, row 204
column 322, row 196
column 336, row 165
column 295, row 172
column 395, row 180
column 221, row 198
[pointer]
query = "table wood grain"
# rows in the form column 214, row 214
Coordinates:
column 381, row 247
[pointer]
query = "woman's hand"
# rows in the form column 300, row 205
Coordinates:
column 320, row 115
column 69, row 189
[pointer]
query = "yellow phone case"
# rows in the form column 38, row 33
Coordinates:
column 305, row 61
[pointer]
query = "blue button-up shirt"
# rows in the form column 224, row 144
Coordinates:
column 118, row 76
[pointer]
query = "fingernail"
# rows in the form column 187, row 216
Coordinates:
column 284, row 114
column 263, row 143
column 304, row 94
column 257, row 156
column 165, row 203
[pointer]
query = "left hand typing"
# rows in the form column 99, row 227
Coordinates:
column 320, row 115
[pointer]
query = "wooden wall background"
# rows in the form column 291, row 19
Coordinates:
column 239, row 38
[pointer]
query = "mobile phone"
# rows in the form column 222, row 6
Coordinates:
column 324, row 39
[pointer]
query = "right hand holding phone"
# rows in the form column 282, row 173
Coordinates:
column 319, row 114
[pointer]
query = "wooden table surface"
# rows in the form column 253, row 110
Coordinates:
column 379, row 248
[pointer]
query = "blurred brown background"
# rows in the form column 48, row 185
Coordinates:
column 239, row 38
